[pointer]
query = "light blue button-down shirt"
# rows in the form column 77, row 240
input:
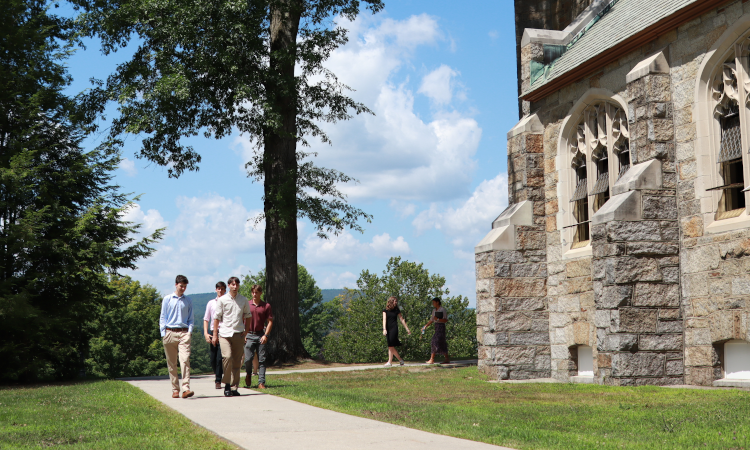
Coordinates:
column 176, row 312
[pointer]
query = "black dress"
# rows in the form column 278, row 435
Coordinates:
column 391, row 326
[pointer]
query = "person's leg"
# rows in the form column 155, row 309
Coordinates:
column 216, row 362
column 394, row 352
column 390, row 354
column 171, row 351
column 249, row 356
column 261, row 365
column 432, row 359
column 237, row 349
column 184, row 353
column 226, row 361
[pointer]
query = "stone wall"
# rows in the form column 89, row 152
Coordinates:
column 658, row 295
column 512, row 315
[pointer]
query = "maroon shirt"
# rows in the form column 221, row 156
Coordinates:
column 261, row 314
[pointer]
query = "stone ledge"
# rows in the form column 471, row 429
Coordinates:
column 503, row 234
column 528, row 124
column 656, row 63
column 582, row 379
column 646, row 175
column 624, row 207
column 726, row 382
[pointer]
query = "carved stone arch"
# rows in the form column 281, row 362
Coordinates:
column 718, row 93
column 585, row 131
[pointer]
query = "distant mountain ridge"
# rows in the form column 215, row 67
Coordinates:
column 201, row 300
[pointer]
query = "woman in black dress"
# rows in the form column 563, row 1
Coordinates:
column 438, row 345
column 391, row 316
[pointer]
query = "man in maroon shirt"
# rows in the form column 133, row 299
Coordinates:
column 257, row 337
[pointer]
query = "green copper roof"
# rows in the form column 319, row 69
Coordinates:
column 619, row 21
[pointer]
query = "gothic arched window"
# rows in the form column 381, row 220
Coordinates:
column 600, row 152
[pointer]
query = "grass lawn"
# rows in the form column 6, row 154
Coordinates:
column 459, row 402
column 95, row 415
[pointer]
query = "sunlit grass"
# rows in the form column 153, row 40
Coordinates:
column 95, row 415
column 460, row 403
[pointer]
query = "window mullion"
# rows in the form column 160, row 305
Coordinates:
column 741, row 62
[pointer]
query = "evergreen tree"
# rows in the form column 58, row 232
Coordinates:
column 219, row 66
column 61, row 227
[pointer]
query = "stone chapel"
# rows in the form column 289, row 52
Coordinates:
column 623, row 257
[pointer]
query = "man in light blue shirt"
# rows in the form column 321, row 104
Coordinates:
column 176, row 326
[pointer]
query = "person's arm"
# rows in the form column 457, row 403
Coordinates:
column 215, row 337
column 385, row 332
column 217, row 316
column 264, row 339
column 247, row 313
column 163, row 319
column 404, row 322
column 191, row 318
column 205, row 331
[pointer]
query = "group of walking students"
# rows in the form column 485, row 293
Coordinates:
column 238, row 329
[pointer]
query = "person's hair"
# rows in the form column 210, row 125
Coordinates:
column 221, row 284
column 180, row 279
column 437, row 299
column 391, row 303
column 229, row 281
column 257, row 288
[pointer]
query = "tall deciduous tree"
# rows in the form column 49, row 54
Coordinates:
column 255, row 66
column 61, row 227
column 316, row 316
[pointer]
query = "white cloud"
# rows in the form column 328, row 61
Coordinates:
column 404, row 209
column 211, row 236
column 437, row 85
column 128, row 166
column 335, row 280
column 395, row 154
column 467, row 223
column 150, row 221
column 345, row 249
column 493, row 34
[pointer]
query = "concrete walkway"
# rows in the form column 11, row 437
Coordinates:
column 259, row 420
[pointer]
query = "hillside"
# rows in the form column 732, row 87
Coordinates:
column 201, row 300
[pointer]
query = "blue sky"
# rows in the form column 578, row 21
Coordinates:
column 441, row 79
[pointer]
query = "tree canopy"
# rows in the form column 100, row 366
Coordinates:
column 357, row 335
column 256, row 67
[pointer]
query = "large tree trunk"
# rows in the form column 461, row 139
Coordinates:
column 280, row 170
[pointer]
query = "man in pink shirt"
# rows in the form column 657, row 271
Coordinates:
column 208, row 331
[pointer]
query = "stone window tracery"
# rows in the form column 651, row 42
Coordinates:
column 727, row 96
column 600, row 152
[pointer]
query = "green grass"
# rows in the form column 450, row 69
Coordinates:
column 95, row 415
column 460, row 403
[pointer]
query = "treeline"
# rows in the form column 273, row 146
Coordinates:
column 61, row 227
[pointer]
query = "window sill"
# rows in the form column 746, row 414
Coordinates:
column 735, row 223
column 578, row 252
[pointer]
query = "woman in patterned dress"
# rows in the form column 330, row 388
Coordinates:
column 438, row 345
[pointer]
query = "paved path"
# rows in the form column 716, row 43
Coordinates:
column 258, row 420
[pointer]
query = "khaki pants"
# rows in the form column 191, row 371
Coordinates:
column 232, row 350
column 177, row 343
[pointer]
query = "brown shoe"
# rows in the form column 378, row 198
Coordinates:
column 187, row 394
column 248, row 379
column 261, row 386
column 175, row 394
column 218, row 385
